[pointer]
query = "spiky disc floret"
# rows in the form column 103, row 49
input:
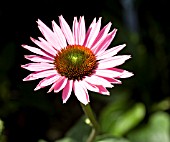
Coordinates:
column 75, row 62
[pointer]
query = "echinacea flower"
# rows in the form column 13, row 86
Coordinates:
column 75, row 59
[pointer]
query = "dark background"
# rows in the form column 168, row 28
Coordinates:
column 144, row 26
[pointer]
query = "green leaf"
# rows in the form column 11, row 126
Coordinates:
column 1, row 126
column 117, row 120
column 128, row 120
column 110, row 139
column 66, row 140
column 157, row 129
column 78, row 133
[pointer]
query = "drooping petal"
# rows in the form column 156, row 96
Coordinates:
column 43, row 44
column 92, row 33
column 96, row 88
column 59, row 34
column 96, row 80
column 66, row 30
column 40, row 74
column 90, row 87
column 80, row 92
column 38, row 66
column 81, row 31
column 60, row 84
column 46, row 81
column 67, row 91
column 36, row 51
column 58, row 81
column 36, row 58
column 103, row 90
column 110, row 52
column 48, row 34
column 113, row 61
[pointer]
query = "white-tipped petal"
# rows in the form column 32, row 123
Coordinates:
column 40, row 74
column 80, row 92
column 66, row 30
column 38, row 66
column 59, row 34
column 113, row 61
column 110, row 52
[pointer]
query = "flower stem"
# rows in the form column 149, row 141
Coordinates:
column 89, row 113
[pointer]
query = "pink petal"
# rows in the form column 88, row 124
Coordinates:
column 75, row 30
column 46, row 81
column 113, row 61
column 92, row 33
column 110, row 52
column 66, row 30
column 38, row 66
column 36, row 51
column 41, row 74
column 103, row 90
column 36, row 58
column 43, row 44
column 102, row 35
column 105, row 43
column 81, row 92
column 60, row 84
column 59, row 80
column 126, row 74
column 59, row 34
column 67, row 90
column 96, row 80
column 113, row 80
column 90, row 87
column 81, row 31
column 48, row 34
column 107, row 73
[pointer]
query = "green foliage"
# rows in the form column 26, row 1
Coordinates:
column 117, row 120
column 79, row 132
column 156, row 130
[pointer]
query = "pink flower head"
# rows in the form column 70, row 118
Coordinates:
column 76, row 59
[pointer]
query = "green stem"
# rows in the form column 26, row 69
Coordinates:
column 89, row 113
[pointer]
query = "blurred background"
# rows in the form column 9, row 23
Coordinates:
column 137, row 111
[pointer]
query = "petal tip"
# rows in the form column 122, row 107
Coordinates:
column 23, row 45
column 37, row 88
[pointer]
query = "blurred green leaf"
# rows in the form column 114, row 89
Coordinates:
column 78, row 133
column 128, row 120
column 112, row 140
column 1, row 126
column 157, row 129
column 66, row 140
column 2, row 136
column 116, row 120
column 41, row 140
